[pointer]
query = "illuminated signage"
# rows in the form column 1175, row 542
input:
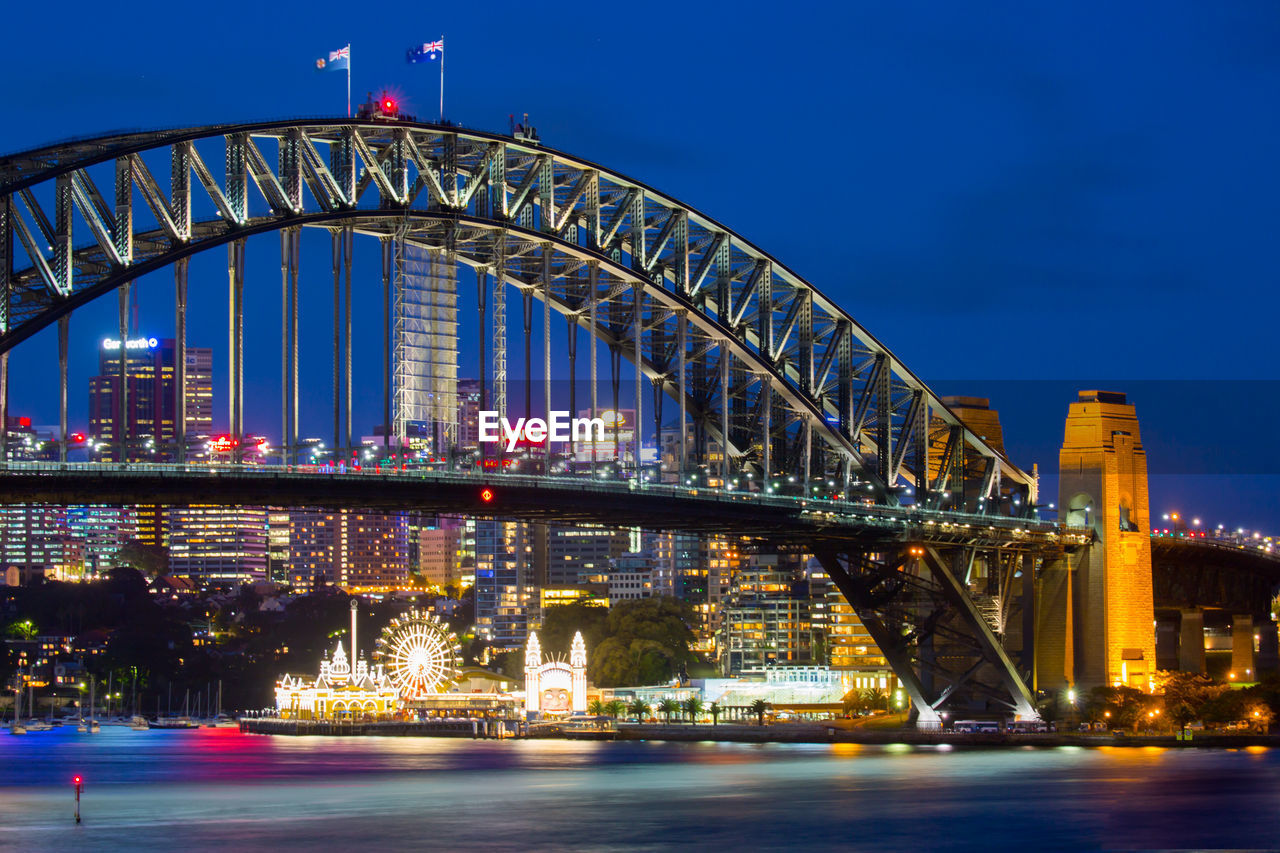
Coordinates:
column 132, row 343
column 558, row 427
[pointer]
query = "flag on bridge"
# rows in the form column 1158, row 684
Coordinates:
column 339, row 60
column 426, row 52
column 429, row 52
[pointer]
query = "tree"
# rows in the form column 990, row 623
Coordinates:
column 1228, row 707
column 667, row 707
column 715, row 713
column 1186, row 695
column 693, row 707
column 1121, row 706
column 150, row 560
column 24, row 630
column 643, row 641
column 595, row 708
column 638, row 709
column 619, row 662
column 615, row 708
column 561, row 622
column 1259, row 716
column 758, row 707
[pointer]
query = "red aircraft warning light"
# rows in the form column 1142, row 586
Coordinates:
column 486, row 495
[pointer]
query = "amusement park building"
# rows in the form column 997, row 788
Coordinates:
column 338, row 692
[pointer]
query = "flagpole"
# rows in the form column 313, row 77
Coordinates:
column 442, row 79
column 348, row 80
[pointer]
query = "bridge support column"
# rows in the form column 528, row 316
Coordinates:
column 1242, row 662
column 180, row 361
column 1027, row 659
column 122, row 397
column 294, row 252
column 682, row 389
column 64, row 331
column 1054, row 637
column 235, row 271
column 4, row 408
column 546, row 352
column 348, row 241
column 1268, row 657
column 572, row 342
column 335, row 254
column 388, row 259
column 637, row 357
column 482, row 309
column 1166, row 640
column 1191, row 641
column 289, row 239
column 593, row 272
column 526, row 303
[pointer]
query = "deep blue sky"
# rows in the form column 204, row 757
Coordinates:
column 1084, row 192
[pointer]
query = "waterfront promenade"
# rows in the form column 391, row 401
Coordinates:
column 784, row 733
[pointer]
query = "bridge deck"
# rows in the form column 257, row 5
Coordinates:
column 558, row 499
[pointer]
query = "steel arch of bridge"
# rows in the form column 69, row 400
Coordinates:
column 753, row 354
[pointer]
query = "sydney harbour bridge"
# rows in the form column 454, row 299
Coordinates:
column 792, row 423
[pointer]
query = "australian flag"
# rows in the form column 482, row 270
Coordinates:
column 339, row 60
column 425, row 52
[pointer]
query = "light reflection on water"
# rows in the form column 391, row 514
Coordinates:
column 160, row 790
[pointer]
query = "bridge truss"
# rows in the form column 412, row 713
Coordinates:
column 771, row 386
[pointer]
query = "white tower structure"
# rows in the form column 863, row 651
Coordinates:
column 355, row 652
column 532, row 676
column 578, row 664
column 426, row 347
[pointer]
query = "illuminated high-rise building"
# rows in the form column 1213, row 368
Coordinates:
column 278, row 529
column 441, row 554
column 218, row 544
column 766, row 617
column 505, row 585
column 38, row 542
column 152, row 396
column 353, row 549
column 581, row 554
column 103, row 530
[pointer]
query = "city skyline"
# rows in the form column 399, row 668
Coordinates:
column 1049, row 170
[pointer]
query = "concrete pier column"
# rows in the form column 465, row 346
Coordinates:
column 1268, row 658
column 1191, row 641
column 1242, row 663
column 1166, row 640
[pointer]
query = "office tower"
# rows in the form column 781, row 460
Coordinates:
column 218, row 545
column 150, row 420
column 278, row 545
column 504, row 582
column 103, row 530
column 765, row 619
column 353, row 549
column 581, row 554
column 38, row 542
column 630, row 577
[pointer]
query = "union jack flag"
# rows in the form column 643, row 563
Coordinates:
column 339, row 60
column 425, row 52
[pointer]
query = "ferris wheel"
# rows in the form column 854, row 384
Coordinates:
column 420, row 654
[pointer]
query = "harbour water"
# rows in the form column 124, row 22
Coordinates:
column 219, row 788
